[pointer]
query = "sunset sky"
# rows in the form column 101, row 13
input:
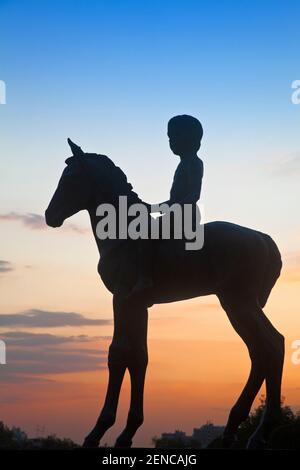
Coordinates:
column 110, row 74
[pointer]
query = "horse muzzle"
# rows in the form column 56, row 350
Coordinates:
column 52, row 220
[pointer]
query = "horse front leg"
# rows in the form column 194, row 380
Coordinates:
column 107, row 417
column 127, row 350
column 137, row 317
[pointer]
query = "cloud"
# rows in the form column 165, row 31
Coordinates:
column 32, row 357
column 35, row 318
column 37, row 222
column 30, row 220
column 5, row 266
column 54, row 362
column 24, row 339
column 291, row 267
column 76, row 229
column 288, row 165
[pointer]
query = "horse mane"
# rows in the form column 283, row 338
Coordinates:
column 110, row 179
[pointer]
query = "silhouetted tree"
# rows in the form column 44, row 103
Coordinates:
column 15, row 438
column 54, row 442
column 285, row 436
column 7, row 438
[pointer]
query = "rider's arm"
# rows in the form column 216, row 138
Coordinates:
column 193, row 182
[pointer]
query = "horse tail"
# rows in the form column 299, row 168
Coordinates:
column 273, row 269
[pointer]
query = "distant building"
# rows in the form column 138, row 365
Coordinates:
column 201, row 437
column 179, row 436
column 207, row 433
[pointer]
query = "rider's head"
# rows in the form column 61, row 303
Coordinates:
column 185, row 134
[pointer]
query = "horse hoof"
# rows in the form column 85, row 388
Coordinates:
column 123, row 443
column 256, row 442
column 90, row 443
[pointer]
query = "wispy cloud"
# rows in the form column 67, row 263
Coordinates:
column 33, row 356
column 33, row 340
column 37, row 222
column 288, row 165
column 5, row 266
column 35, row 318
column 30, row 220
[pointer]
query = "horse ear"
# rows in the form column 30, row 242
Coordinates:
column 69, row 160
column 76, row 150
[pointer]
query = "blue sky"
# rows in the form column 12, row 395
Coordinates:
column 110, row 74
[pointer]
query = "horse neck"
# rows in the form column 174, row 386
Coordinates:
column 93, row 171
column 104, row 246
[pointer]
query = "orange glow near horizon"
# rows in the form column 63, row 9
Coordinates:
column 197, row 368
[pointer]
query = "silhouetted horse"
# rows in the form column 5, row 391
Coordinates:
column 239, row 265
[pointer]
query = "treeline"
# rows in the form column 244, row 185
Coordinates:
column 285, row 436
column 16, row 438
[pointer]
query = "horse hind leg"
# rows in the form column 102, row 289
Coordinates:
column 266, row 350
column 240, row 411
column 272, row 272
column 274, row 353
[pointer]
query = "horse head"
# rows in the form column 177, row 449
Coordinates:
column 88, row 178
column 73, row 191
